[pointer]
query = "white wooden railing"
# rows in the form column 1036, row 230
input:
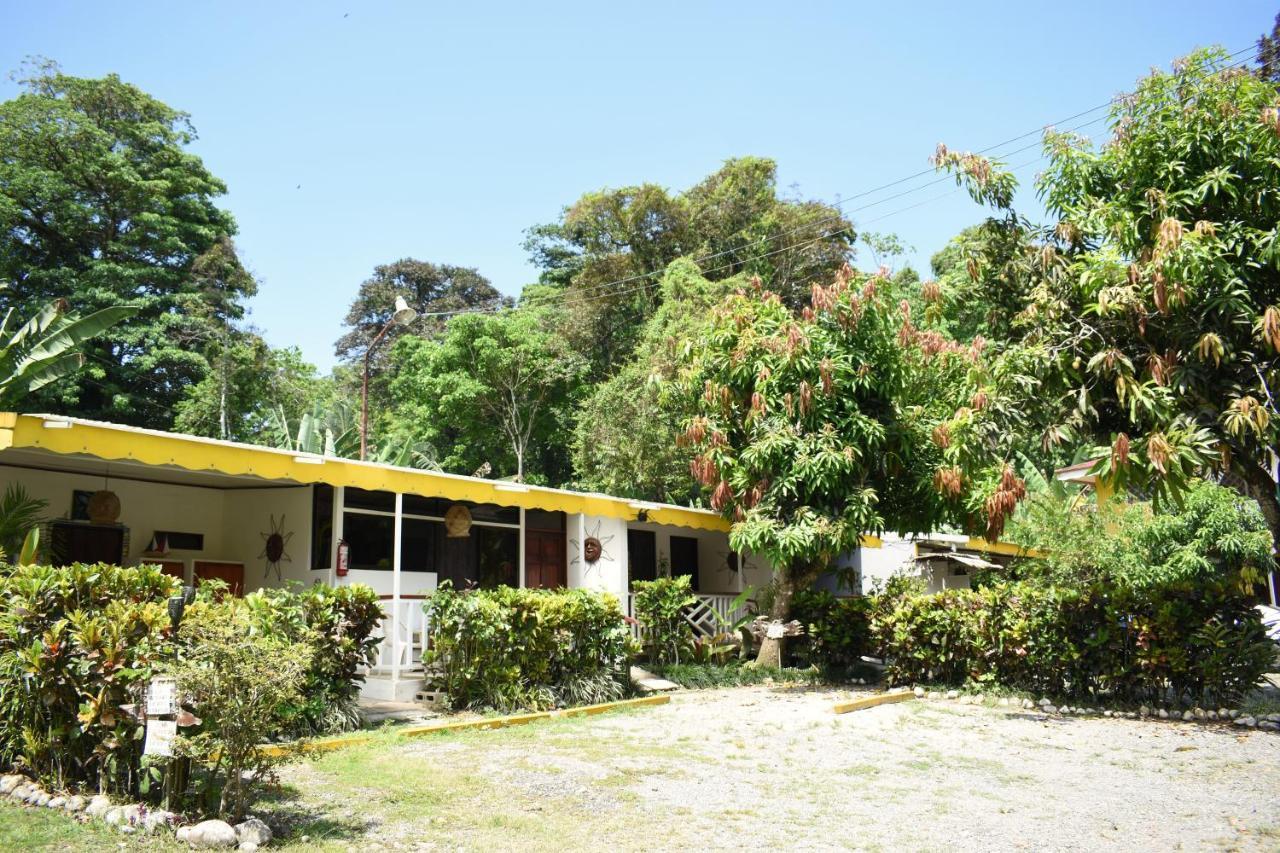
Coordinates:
column 409, row 622
column 700, row 616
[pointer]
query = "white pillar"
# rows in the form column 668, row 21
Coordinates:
column 339, row 499
column 520, row 556
column 397, row 638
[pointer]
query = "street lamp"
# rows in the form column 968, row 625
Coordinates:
column 403, row 316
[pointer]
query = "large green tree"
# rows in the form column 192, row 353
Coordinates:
column 1154, row 317
column 606, row 255
column 626, row 438
column 494, row 388
column 428, row 288
column 102, row 204
column 815, row 427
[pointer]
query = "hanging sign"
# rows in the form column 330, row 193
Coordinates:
column 162, row 697
column 160, row 737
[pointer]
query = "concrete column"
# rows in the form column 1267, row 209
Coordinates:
column 397, row 541
column 520, row 557
column 339, row 499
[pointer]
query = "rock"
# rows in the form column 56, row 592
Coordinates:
column 934, row 694
column 979, row 699
column 42, row 799
column 1003, row 702
column 212, row 834
column 127, row 829
column 1246, row 722
column 247, row 847
column 919, row 692
column 10, row 781
column 181, row 834
column 1144, row 711
column 953, row 694
column 21, row 792
column 154, row 821
column 1223, row 713
column 1198, row 714
column 1233, row 713
column 1048, row 709
column 253, row 831
column 97, row 806
column 1027, row 704
column 1188, row 716
column 1043, row 702
column 1162, row 714
column 34, row 793
column 134, row 814
column 75, row 803
column 1269, row 726
column 1212, row 715
column 114, row 816
column 56, row 802
column 1106, row 713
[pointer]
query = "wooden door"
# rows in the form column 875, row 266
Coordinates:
column 642, row 555
column 231, row 573
column 684, row 558
column 544, row 565
column 172, row 568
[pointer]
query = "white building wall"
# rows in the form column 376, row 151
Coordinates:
column 248, row 515
column 876, row 565
column 715, row 576
column 145, row 507
column 609, row 573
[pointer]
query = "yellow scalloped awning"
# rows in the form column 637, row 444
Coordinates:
column 191, row 453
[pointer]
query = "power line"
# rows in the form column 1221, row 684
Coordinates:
column 583, row 295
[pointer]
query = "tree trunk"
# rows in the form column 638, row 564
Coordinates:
column 1255, row 482
column 786, row 582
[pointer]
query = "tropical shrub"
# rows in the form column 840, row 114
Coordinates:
column 659, row 607
column 242, row 684
column 1181, row 640
column 78, row 645
column 837, row 631
column 509, row 649
column 339, row 623
column 698, row 676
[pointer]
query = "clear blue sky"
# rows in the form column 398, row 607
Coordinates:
column 442, row 133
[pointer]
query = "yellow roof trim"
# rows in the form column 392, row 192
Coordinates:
column 192, row 453
column 1007, row 549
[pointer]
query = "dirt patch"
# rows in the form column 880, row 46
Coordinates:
column 772, row 768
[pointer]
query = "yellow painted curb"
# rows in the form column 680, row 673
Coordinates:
column 273, row 749
column 872, row 701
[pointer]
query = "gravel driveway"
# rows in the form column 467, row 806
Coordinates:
column 773, row 768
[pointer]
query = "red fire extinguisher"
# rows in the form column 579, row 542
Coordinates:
column 344, row 554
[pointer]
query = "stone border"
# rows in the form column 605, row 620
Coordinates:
column 1232, row 716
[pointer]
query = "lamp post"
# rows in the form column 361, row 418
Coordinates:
column 403, row 316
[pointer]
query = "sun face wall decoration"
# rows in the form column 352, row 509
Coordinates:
column 273, row 547
column 592, row 548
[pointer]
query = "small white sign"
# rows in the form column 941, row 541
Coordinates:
column 776, row 631
column 162, row 697
column 160, row 737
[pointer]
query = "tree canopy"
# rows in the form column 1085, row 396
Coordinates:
column 102, row 204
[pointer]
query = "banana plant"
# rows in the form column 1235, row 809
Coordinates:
column 43, row 349
column 334, row 431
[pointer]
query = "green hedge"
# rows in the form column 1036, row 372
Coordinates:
column 78, row 645
column 837, row 631
column 510, row 649
column 1202, row 641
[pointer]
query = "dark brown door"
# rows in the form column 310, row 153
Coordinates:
column 232, row 573
column 642, row 555
column 684, row 558
column 544, row 566
column 172, row 568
